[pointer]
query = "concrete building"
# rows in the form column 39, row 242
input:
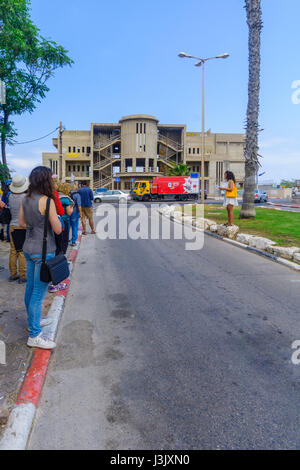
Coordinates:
column 139, row 147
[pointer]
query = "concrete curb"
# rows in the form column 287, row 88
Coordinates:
column 283, row 205
column 277, row 259
column 22, row 415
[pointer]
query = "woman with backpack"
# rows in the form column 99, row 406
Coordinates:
column 32, row 217
column 68, row 205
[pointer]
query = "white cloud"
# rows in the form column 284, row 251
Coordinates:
column 23, row 165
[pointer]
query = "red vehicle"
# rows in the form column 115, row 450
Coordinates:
column 175, row 187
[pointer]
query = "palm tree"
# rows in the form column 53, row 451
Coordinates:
column 253, row 10
column 179, row 170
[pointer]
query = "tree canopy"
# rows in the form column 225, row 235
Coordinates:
column 179, row 170
column 27, row 62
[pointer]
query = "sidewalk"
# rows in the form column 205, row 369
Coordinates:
column 13, row 331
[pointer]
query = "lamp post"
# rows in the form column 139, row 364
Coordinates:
column 201, row 62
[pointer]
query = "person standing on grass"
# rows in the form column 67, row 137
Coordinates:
column 87, row 198
column 17, row 188
column 74, row 219
column 32, row 217
column 230, row 198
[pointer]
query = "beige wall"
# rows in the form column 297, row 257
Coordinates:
column 225, row 149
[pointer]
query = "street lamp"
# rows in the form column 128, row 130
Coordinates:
column 201, row 62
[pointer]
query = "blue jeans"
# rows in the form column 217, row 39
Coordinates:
column 74, row 224
column 35, row 292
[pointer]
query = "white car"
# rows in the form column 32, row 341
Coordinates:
column 114, row 195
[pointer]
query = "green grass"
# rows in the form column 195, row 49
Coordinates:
column 280, row 226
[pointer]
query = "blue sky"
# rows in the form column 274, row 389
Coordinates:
column 125, row 54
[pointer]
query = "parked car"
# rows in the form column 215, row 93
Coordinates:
column 260, row 196
column 114, row 195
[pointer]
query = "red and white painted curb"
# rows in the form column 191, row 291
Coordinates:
column 22, row 415
column 283, row 205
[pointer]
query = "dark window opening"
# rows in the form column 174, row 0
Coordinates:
column 140, row 162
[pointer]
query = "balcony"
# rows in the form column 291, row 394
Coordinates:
column 78, row 174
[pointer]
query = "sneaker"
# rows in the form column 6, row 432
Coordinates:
column 22, row 280
column 73, row 244
column 46, row 321
column 41, row 342
column 61, row 286
column 13, row 278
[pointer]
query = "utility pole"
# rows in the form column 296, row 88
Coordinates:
column 203, row 140
column 60, row 151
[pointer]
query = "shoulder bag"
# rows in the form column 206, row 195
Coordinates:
column 231, row 193
column 56, row 269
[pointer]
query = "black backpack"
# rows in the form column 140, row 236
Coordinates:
column 5, row 216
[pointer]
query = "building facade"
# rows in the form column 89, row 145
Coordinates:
column 139, row 147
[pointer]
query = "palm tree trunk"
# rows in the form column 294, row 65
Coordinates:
column 253, row 10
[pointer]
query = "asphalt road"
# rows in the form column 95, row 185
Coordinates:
column 163, row 348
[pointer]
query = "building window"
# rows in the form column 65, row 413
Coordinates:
column 219, row 172
column 69, row 167
column 198, row 150
column 194, row 150
column 74, row 149
column 144, row 128
column 137, row 128
column 82, row 149
column 88, row 150
column 190, row 150
column 70, row 150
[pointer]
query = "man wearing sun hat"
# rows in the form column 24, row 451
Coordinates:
column 18, row 188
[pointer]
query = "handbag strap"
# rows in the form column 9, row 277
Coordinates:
column 44, row 252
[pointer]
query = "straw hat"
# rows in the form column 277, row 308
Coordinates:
column 19, row 184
